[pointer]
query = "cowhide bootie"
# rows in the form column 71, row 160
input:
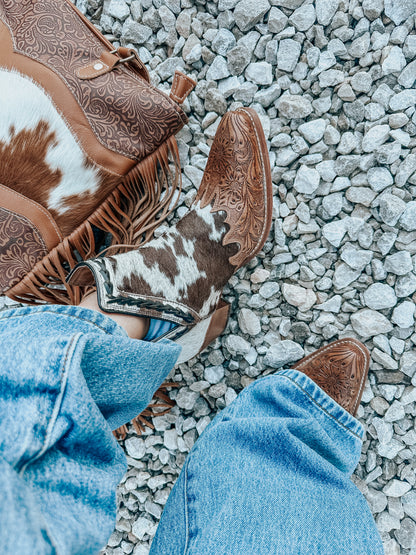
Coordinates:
column 179, row 277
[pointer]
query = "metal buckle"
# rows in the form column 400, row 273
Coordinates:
column 123, row 60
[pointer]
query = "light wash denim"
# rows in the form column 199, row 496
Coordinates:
column 270, row 475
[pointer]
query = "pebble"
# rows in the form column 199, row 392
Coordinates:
column 391, row 208
column 294, row 106
column 236, row 345
column 248, row 13
column 368, row 322
column 298, row 296
column 379, row 296
column 249, row 322
column 313, row 131
column 307, row 180
column 283, row 353
column 334, row 232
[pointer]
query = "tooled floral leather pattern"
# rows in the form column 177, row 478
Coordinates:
column 20, row 248
column 127, row 115
column 339, row 369
column 234, row 182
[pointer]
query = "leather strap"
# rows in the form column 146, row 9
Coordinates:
column 34, row 212
column 182, row 86
column 106, row 63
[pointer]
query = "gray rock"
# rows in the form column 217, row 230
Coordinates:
column 402, row 100
column 375, row 137
column 218, row 69
column 331, row 78
column 334, row 232
column 314, row 130
column 294, row 106
column 361, row 81
column 170, row 439
column 372, row 9
column 247, row 13
column 407, row 77
column 399, row 263
column 214, row 374
column 385, row 360
column 406, row 535
column 266, row 97
column 391, row 208
column 360, row 195
column 396, row 488
column 405, row 170
column 236, row 345
column 141, row 527
column 135, row 447
column 303, row 18
column 118, row 9
column 405, row 285
column 379, row 178
column 277, row 20
column 331, row 305
column 223, row 42
column 298, row 296
column 367, row 323
column 186, row 398
column 399, row 10
column 379, row 296
column 408, row 363
column 259, row 73
column 306, row 180
column 283, row 353
column 249, row 322
column 408, row 218
column 238, row 59
column 344, row 276
column 356, row 259
column 394, row 62
column 332, row 204
column 325, row 10
column 136, row 32
column 288, row 55
column 167, row 68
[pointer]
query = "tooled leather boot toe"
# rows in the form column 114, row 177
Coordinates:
column 340, row 369
column 179, row 276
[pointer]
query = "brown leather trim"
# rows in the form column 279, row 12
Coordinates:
column 218, row 322
column 104, row 64
column 182, row 86
column 65, row 103
column 34, row 212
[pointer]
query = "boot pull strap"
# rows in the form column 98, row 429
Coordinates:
column 109, row 60
column 181, row 87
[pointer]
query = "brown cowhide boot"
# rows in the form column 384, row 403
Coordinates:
column 180, row 276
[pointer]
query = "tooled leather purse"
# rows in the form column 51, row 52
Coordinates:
column 87, row 147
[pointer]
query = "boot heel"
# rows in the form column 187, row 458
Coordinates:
column 203, row 333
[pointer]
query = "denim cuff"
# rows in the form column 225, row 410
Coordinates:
column 324, row 401
column 84, row 315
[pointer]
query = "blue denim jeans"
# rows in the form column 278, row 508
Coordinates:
column 270, row 475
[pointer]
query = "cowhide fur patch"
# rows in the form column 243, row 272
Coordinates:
column 185, row 268
column 39, row 156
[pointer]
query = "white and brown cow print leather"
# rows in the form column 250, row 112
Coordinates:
column 180, row 276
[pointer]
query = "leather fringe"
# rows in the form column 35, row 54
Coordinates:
column 161, row 405
column 130, row 214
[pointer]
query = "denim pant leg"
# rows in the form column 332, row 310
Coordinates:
column 271, row 476
column 67, row 377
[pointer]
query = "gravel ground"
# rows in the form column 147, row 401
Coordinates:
column 332, row 81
